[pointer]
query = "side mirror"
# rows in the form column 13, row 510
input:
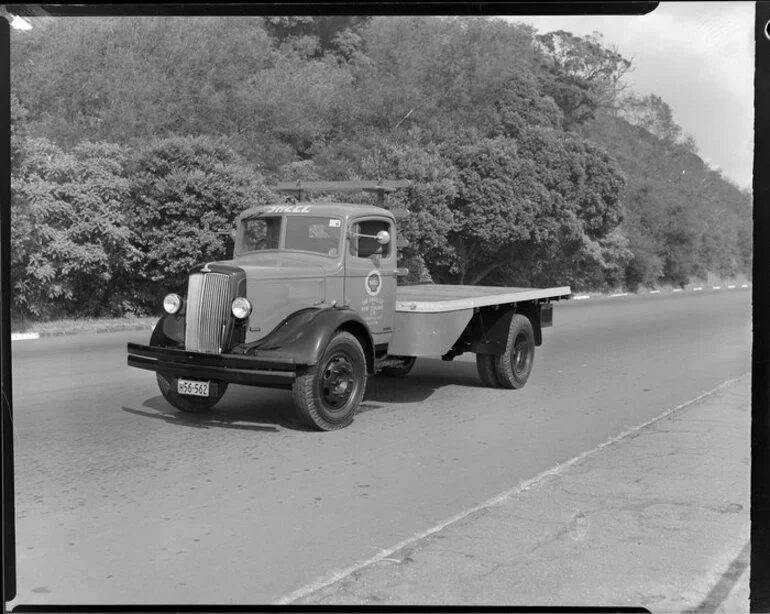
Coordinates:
column 382, row 237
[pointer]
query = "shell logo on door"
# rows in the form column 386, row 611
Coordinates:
column 373, row 283
column 372, row 307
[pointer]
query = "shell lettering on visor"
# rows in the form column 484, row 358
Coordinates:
column 289, row 209
column 373, row 283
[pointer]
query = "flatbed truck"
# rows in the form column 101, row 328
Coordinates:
column 310, row 303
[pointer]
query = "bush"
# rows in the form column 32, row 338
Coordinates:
column 185, row 193
column 71, row 249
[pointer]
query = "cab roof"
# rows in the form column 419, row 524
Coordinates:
column 318, row 208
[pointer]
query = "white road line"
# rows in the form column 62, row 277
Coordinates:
column 677, row 290
column 580, row 298
column 24, row 336
column 336, row 576
column 620, row 294
column 716, row 287
column 731, row 287
column 698, row 289
column 654, row 291
column 744, row 285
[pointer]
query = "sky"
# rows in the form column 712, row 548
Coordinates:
column 699, row 58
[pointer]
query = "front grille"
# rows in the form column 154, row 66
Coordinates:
column 208, row 310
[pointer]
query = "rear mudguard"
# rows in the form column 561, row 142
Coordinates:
column 487, row 332
column 305, row 334
column 501, row 321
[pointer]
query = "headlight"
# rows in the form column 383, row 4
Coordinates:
column 241, row 308
column 172, row 303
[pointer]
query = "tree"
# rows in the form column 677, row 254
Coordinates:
column 130, row 78
column 653, row 114
column 436, row 73
column 517, row 143
column 581, row 74
column 18, row 130
column 504, row 209
column 428, row 201
column 683, row 219
column 575, row 209
column 185, row 192
column 302, row 103
column 521, row 106
column 70, row 248
column 339, row 34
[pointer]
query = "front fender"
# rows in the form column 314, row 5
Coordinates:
column 169, row 331
column 305, row 334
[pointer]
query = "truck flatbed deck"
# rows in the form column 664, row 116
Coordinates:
column 429, row 318
column 435, row 298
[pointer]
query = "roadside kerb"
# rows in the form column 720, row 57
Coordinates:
column 654, row 518
column 25, row 336
column 583, row 297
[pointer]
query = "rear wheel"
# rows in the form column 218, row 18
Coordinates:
column 515, row 364
column 187, row 403
column 485, row 365
column 326, row 396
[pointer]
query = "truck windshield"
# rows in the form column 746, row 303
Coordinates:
column 303, row 233
column 313, row 234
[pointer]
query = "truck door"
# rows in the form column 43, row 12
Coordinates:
column 370, row 275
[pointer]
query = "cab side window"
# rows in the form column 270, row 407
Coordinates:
column 368, row 247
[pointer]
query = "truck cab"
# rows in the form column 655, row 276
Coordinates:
column 317, row 254
column 305, row 303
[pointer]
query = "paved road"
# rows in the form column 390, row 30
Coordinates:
column 120, row 499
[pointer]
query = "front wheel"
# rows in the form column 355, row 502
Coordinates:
column 187, row 403
column 327, row 395
column 514, row 365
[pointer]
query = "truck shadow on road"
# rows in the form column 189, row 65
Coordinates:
column 242, row 408
column 428, row 376
column 259, row 409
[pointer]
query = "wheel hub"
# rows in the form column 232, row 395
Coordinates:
column 520, row 354
column 337, row 382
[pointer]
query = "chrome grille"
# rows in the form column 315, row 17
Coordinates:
column 208, row 309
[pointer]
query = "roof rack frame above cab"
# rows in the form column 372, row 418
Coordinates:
column 380, row 187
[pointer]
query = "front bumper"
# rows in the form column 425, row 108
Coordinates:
column 271, row 369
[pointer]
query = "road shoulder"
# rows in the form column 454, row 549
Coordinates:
column 658, row 519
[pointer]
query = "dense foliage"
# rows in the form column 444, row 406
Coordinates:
column 71, row 250
column 184, row 193
column 136, row 141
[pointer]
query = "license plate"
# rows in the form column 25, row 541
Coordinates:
column 196, row 389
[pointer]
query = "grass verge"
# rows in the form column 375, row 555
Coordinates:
column 83, row 325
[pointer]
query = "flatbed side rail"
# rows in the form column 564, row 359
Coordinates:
column 409, row 298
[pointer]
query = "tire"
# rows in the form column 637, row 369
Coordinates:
column 327, row 396
column 401, row 370
column 485, row 365
column 515, row 364
column 185, row 403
